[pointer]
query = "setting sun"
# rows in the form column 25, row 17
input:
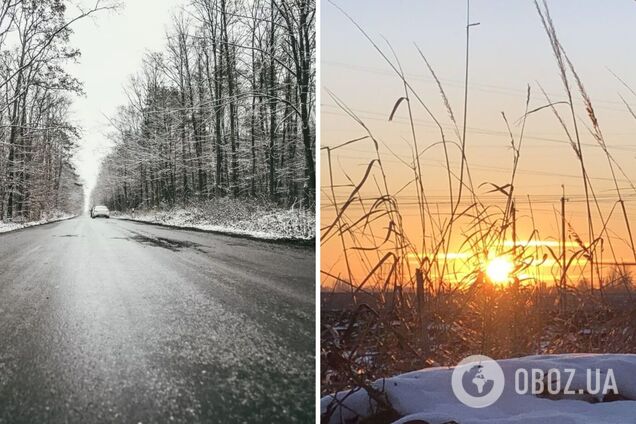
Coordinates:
column 499, row 270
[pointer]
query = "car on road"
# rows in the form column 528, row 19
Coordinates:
column 98, row 211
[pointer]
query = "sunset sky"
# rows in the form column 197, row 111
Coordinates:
column 509, row 50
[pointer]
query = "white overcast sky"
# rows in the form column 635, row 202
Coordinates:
column 112, row 45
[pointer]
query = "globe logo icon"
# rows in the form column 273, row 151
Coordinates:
column 478, row 381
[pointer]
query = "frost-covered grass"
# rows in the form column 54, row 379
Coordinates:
column 235, row 216
column 52, row 216
column 427, row 396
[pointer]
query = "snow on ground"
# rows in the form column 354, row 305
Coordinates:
column 234, row 218
column 427, row 395
column 46, row 218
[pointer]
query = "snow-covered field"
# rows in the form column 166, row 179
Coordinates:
column 426, row 396
column 234, row 218
column 51, row 217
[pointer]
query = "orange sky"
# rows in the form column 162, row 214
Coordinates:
column 508, row 51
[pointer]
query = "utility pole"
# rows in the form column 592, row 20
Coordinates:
column 513, row 212
column 465, row 118
column 562, row 283
column 420, row 293
column 591, row 259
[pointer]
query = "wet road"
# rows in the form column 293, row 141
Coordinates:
column 116, row 321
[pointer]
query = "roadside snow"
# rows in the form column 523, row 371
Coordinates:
column 233, row 218
column 51, row 217
column 427, row 395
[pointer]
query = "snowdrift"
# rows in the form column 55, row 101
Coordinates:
column 426, row 396
column 54, row 216
column 231, row 216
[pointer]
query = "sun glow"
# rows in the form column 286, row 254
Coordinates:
column 499, row 270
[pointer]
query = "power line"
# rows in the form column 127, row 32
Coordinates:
column 439, row 164
column 473, row 130
column 488, row 88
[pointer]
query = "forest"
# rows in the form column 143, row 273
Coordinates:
column 37, row 137
column 226, row 111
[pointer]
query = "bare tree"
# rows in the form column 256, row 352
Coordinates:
column 36, row 137
column 227, row 110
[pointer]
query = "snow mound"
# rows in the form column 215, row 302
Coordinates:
column 233, row 216
column 426, row 396
column 46, row 218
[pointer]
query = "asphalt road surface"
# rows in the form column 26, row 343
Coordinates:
column 117, row 321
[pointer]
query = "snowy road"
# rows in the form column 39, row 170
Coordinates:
column 117, row 321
